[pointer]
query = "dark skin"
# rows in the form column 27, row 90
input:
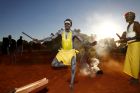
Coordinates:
column 129, row 19
column 67, row 27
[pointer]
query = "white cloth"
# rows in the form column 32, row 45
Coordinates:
column 130, row 32
column 94, row 64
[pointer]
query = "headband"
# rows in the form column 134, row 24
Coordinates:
column 68, row 22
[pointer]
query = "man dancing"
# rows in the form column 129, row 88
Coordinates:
column 67, row 54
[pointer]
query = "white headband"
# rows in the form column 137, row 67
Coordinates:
column 67, row 22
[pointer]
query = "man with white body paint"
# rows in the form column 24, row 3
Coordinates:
column 67, row 54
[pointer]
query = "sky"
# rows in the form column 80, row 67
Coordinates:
column 40, row 18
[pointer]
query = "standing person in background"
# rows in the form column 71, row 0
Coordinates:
column 12, row 48
column 5, row 46
column 132, row 59
column 20, row 46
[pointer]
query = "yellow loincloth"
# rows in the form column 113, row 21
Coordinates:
column 132, row 60
column 66, row 55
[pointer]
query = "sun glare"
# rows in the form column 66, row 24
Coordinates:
column 103, row 26
column 106, row 29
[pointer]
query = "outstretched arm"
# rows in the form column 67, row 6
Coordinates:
column 50, row 38
column 84, row 42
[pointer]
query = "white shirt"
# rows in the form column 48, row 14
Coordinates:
column 130, row 32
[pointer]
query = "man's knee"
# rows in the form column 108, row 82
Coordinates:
column 73, row 64
column 54, row 62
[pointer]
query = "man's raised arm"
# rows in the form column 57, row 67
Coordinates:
column 52, row 36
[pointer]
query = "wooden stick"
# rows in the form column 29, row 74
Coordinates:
column 32, row 87
column 27, row 35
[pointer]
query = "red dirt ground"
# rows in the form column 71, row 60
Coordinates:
column 35, row 66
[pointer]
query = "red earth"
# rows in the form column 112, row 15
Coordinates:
column 31, row 67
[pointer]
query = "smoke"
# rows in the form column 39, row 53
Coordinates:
column 102, row 48
column 86, row 71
